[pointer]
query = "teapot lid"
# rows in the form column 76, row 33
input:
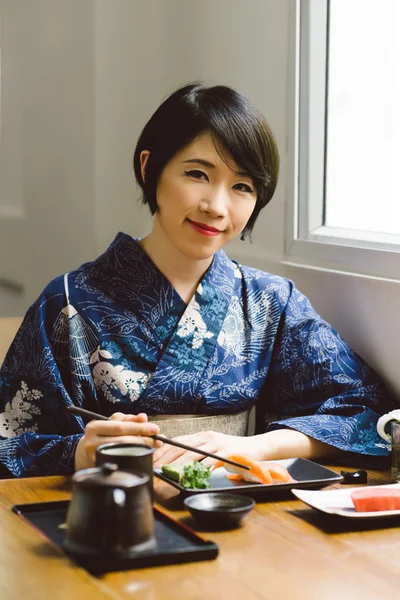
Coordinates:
column 108, row 475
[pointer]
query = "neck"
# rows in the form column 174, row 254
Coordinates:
column 183, row 273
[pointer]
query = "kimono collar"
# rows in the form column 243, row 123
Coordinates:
column 221, row 275
column 127, row 274
column 130, row 272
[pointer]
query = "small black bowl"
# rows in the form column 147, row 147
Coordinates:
column 220, row 511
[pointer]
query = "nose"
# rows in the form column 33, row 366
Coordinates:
column 215, row 203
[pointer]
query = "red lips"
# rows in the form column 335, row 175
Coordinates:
column 206, row 227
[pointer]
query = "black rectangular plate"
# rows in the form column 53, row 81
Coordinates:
column 308, row 475
column 175, row 543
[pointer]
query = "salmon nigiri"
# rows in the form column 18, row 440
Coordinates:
column 260, row 471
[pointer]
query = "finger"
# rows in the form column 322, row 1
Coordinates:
column 180, row 456
column 139, row 418
column 118, row 416
column 195, row 440
column 167, row 454
column 191, row 456
column 115, row 428
column 162, row 449
column 209, row 462
column 143, row 417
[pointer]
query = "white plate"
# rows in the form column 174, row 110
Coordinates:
column 339, row 502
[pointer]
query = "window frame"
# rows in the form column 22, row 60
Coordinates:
column 308, row 240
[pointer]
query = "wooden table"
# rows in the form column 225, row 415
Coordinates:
column 284, row 551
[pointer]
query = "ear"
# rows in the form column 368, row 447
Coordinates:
column 144, row 156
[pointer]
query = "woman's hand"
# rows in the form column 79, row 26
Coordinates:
column 119, row 428
column 272, row 445
column 210, row 441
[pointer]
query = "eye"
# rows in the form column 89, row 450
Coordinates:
column 243, row 187
column 196, row 174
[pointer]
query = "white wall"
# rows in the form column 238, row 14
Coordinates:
column 89, row 74
column 104, row 69
column 47, row 146
column 363, row 309
column 144, row 50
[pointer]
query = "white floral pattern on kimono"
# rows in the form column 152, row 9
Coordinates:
column 18, row 416
column 192, row 324
column 236, row 337
column 109, row 377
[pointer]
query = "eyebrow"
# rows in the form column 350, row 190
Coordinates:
column 206, row 163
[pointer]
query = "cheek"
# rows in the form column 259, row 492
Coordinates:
column 251, row 208
column 174, row 197
column 243, row 214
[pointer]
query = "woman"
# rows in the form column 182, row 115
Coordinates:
column 169, row 325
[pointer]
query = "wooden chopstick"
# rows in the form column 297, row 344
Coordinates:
column 82, row 412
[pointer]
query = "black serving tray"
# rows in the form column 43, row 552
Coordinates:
column 175, row 543
column 308, row 475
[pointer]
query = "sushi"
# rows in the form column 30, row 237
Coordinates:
column 375, row 499
column 260, row 471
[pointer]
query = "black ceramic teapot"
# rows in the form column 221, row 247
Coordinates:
column 110, row 513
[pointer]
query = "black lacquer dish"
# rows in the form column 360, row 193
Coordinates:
column 219, row 511
column 308, row 475
column 175, row 543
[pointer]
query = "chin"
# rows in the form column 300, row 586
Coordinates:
column 196, row 252
column 198, row 255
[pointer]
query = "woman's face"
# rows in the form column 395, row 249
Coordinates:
column 203, row 203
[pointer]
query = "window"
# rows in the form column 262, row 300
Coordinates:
column 346, row 140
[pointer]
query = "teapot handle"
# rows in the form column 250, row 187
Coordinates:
column 114, row 532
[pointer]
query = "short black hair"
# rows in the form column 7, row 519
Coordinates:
column 236, row 127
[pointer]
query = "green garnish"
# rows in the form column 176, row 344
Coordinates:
column 193, row 475
column 196, row 476
column 174, row 472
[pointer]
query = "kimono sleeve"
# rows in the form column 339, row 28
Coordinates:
column 37, row 435
column 317, row 385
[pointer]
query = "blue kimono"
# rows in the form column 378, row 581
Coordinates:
column 114, row 335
